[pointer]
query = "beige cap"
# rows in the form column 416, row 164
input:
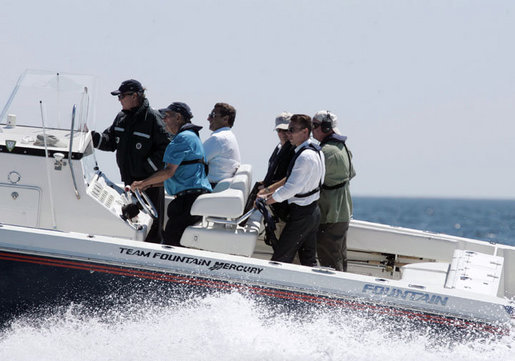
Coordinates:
column 282, row 121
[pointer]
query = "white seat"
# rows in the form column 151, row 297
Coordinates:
column 219, row 231
column 228, row 203
column 223, row 185
column 242, row 183
column 228, row 198
column 215, row 237
column 245, row 169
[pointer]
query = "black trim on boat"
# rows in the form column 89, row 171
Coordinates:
column 39, row 152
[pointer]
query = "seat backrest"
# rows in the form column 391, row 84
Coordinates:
column 228, row 198
column 223, row 185
column 245, row 169
column 242, row 183
column 225, row 204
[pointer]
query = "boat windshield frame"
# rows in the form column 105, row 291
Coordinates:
column 45, row 99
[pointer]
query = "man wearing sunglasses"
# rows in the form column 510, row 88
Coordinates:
column 335, row 200
column 301, row 188
column 139, row 138
column 222, row 150
column 185, row 175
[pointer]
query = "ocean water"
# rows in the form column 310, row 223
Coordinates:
column 487, row 220
column 233, row 327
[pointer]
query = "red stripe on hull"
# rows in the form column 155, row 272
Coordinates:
column 261, row 291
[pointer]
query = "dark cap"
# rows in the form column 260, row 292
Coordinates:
column 178, row 107
column 130, row 85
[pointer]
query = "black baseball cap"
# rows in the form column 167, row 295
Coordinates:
column 130, row 85
column 178, row 107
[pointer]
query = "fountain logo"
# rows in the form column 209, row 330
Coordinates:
column 405, row 294
column 10, row 144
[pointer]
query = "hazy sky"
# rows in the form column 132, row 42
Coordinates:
column 425, row 90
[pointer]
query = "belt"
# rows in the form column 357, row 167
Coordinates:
column 192, row 191
column 293, row 206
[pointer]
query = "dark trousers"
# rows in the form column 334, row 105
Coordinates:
column 157, row 197
column 332, row 245
column 179, row 218
column 299, row 235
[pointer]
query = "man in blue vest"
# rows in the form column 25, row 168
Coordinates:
column 301, row 187
column 185, row 174
column 335, row 200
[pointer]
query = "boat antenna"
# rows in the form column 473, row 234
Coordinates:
column 58, row 102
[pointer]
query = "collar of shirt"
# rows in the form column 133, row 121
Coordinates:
column 221, row 129
column 303, row 145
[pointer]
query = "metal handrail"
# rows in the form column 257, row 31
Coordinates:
column 233, row 222
column 70, row 152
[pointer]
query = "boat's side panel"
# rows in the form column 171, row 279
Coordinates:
column 373, row 237
column 29, row 283
column 247, row 271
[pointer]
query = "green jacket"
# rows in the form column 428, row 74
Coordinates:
column 336, row 204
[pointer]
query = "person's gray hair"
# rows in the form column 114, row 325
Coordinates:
column 326, row 116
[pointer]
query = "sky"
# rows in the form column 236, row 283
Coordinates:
column 424, row 90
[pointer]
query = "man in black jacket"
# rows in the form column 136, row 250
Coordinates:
column 139, row 137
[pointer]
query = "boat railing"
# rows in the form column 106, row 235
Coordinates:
column 231, row 222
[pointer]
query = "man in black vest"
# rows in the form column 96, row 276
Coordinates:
column 301, row 187
column 139, row 137
column 335, row 200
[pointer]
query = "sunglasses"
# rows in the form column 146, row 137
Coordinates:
column 316, row 125
column 293, row 130
column 121, row 96
column 212, row 114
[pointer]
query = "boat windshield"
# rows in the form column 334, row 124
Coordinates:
column 46, row 99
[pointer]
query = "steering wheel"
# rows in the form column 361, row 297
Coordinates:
column 146, row 203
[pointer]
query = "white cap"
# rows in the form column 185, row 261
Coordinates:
column 325, row 116
column 282, row 121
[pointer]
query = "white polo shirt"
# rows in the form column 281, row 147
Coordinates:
column 222, row 153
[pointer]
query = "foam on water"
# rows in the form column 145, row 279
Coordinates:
column 230, row 327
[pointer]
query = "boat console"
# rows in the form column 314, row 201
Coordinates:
column 51, row 177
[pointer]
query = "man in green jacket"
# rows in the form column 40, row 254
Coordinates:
column 335, row 200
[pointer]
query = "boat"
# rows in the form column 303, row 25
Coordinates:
column 65, row 236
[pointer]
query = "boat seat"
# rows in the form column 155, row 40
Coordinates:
column 228, row 198
column 425, row 273
column 219, row 230
column 218, row 237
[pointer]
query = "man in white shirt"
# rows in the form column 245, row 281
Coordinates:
column 221, row 148
column 301, row 187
